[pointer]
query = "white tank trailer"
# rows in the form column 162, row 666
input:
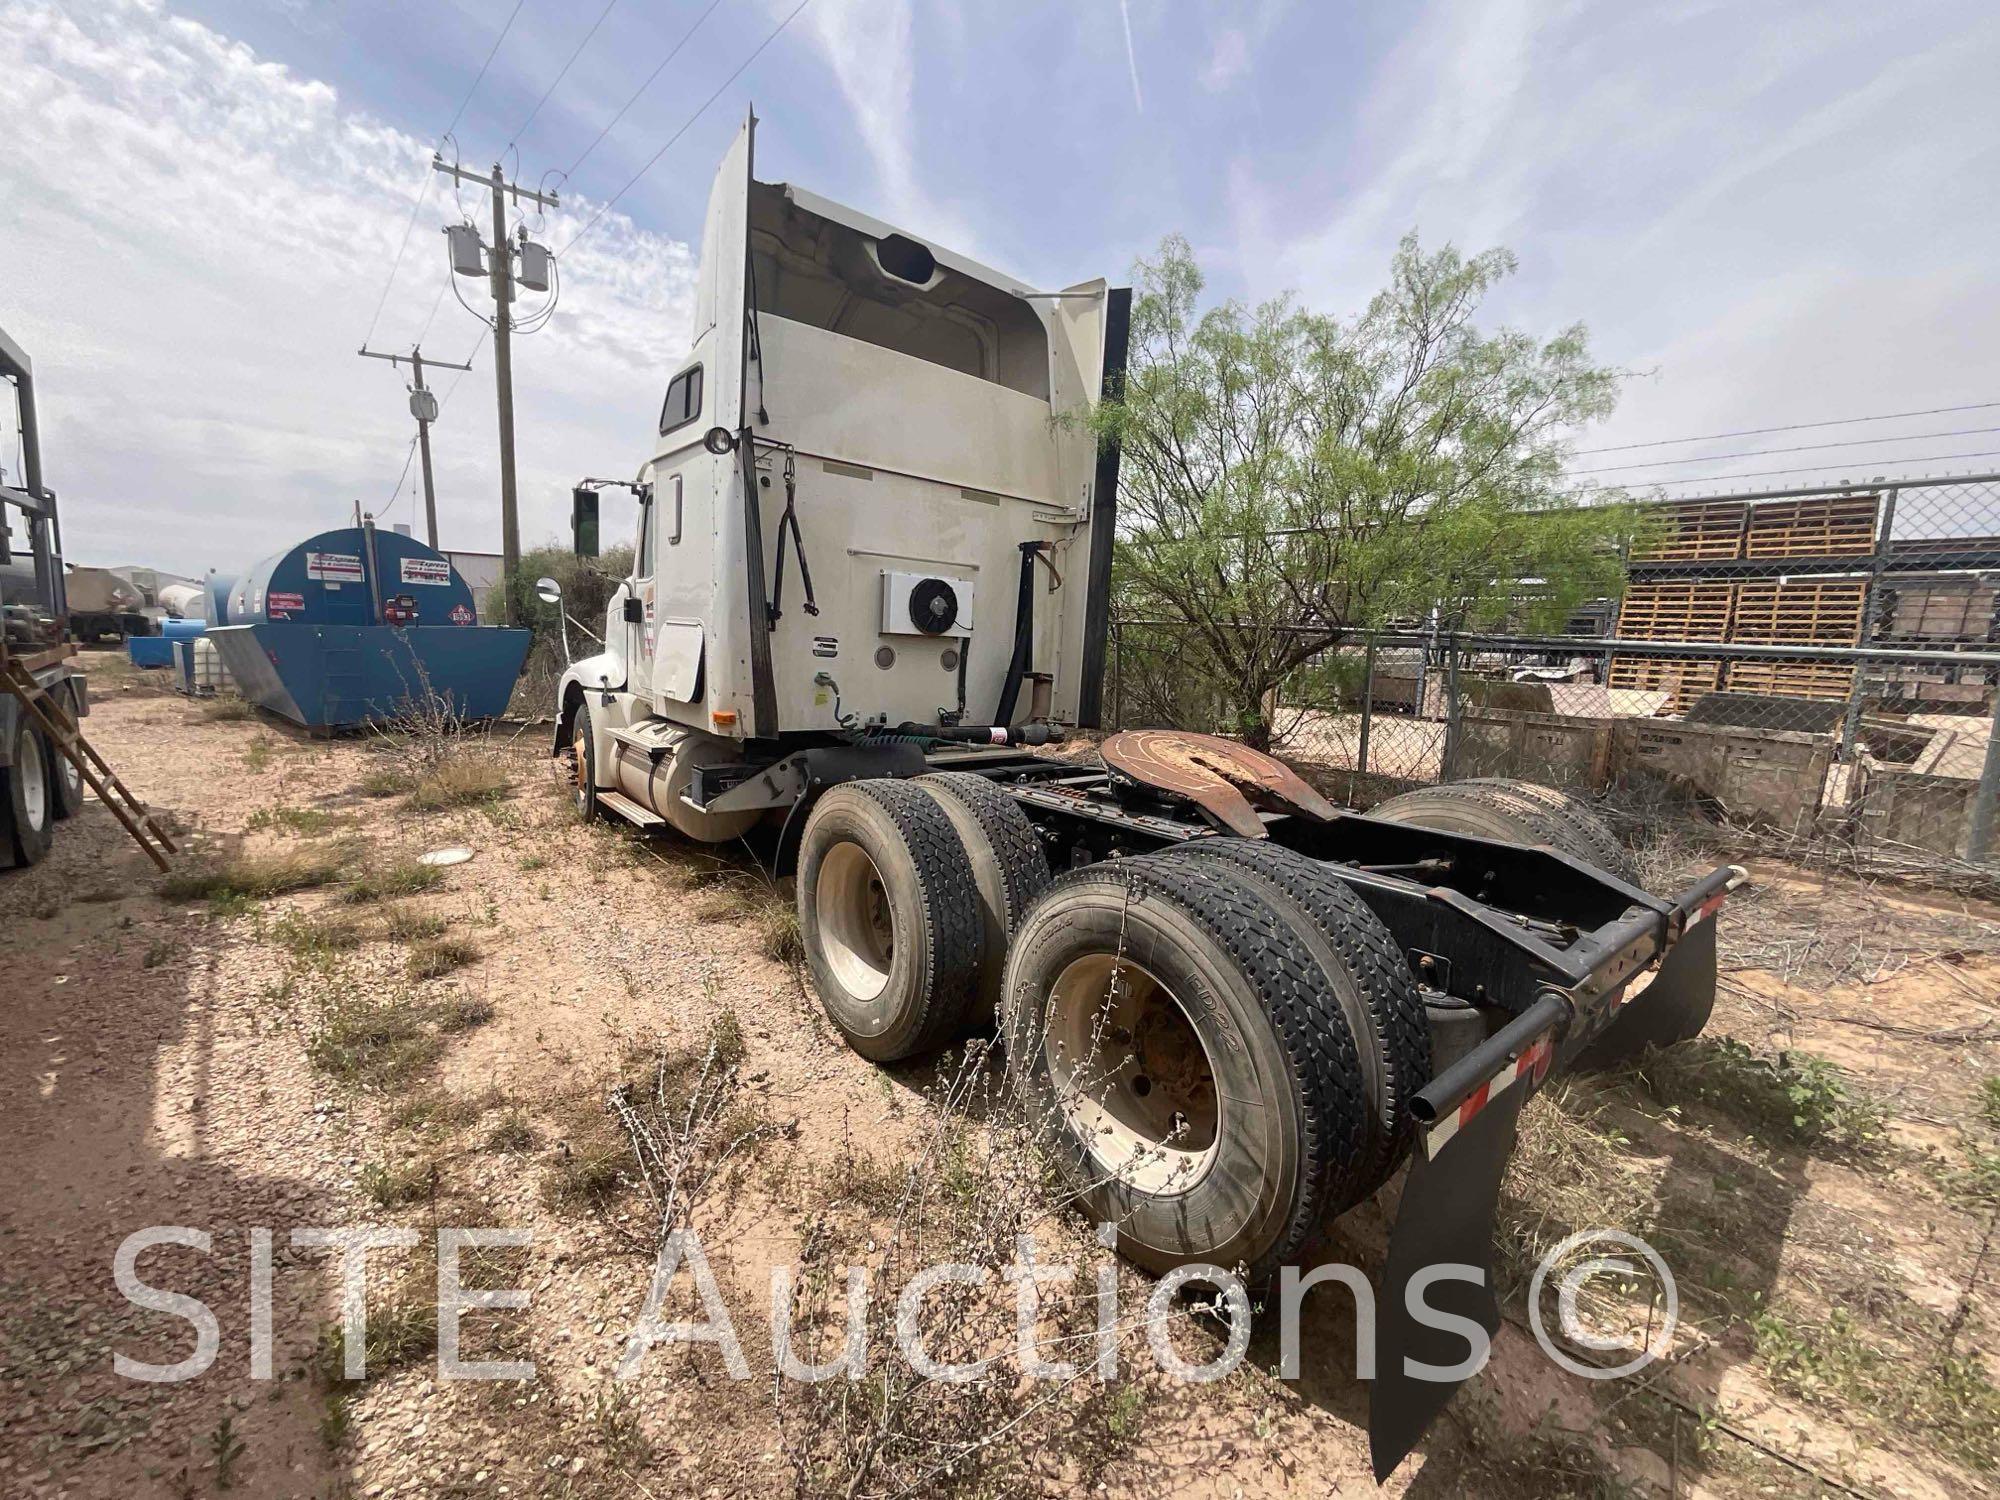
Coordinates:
column 872, row 573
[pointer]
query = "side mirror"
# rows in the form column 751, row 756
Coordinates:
column 582, row 522
column 719, row 440
column 548, row 591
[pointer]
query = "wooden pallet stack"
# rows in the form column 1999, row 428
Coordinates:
column 1694, row 531
column 1804, row 612
column 1828, row 526
column 1761, row 611
column 1672, row 609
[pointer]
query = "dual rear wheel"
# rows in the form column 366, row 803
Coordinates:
column 1217, row 1040
column 909, row 892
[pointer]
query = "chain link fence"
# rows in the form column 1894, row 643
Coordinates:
column 1811, row 673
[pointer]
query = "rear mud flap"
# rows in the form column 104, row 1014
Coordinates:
column 1452, row 1194
column 1446, row 1220
column 1673, row 1006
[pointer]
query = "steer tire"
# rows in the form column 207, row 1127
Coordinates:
column 583, row 766
column 1363, row 970
column 29, row 793
column 889, row 913
column 1496, row 811
column 1008, row 868
column 1172, row 1028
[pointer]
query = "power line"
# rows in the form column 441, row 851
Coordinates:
column 436, row 303
column 452, row 389
column 491, row 53
column 522, row 129
column 401, row 479
column 1926, row 458
column 641, row 89
column 687, row 124
column 1716, row 458
column 423, row 191
column 1707, row 437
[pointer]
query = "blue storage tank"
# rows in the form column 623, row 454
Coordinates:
column 219, row 586
column 359, row 625
column 334, row 578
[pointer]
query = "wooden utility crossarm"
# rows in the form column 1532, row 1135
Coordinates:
column 64, row 733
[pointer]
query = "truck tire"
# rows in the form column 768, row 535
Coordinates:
column 1171, row 1030
column 1498, row 812
column 1009, row 868
column 1363, row 970
column 889, row 915
column 583, row 749
column 30, row 801
column 1591, row 831
column 65, row 778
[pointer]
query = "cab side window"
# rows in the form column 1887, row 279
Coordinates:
column 683, row 403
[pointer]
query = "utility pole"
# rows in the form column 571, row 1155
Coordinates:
column 424, row 407
column 465, row 247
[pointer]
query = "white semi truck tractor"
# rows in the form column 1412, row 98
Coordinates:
column 871, row 576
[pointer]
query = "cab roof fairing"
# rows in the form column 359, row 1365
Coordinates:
column 881, row 229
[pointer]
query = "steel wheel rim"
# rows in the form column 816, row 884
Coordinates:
column 1132, row 1076
column 856, row 924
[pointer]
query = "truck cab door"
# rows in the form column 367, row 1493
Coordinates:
column 639, row 602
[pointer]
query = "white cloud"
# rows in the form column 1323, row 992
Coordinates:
column 1131, row 55
column 871, row 47
column 1229, row 62
column 194, row 240
column 1783, row 211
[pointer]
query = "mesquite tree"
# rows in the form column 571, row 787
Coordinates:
column 1289, row 477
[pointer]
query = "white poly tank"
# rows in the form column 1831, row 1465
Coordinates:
column 209, row 675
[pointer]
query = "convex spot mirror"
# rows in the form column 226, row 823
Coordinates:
column 719, row 440
column 548, row 591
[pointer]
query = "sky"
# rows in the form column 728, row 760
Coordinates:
column 1768, row 214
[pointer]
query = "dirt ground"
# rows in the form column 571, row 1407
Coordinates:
column 594, row 1036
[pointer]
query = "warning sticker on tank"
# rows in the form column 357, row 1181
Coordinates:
column 425, row 570
column 333, row 567
column 826, row 645
column 275, row 601
column 461, row 614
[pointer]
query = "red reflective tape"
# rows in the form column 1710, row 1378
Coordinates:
column 1537, row 1058
column 1474, row 1102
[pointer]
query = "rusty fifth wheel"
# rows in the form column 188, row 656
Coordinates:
column 1227, row 781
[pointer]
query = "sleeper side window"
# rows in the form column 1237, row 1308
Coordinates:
column 683, row 403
